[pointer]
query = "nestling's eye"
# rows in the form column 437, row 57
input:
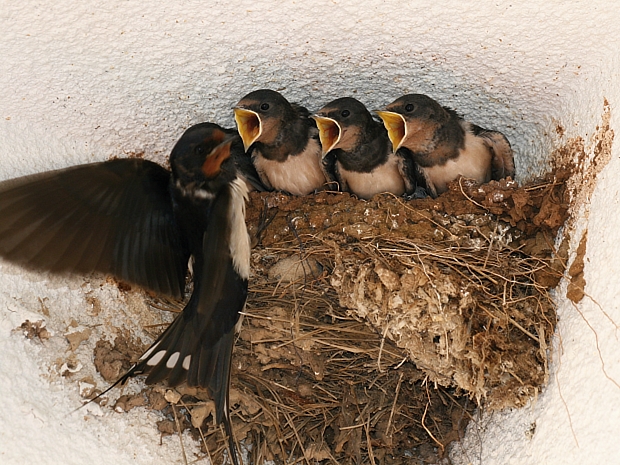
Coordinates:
column 409, row 107
column 345, row 113
column 264, row 107
column 200, row 151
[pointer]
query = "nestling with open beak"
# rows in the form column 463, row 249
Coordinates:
column 365, row 164
column 283, row 142
column 141, row 223
column 443, row 145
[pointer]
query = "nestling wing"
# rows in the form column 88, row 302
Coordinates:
column 416, row 176
column 114, row 217
column 328, row 165
column 408, row 170
column 502, row 156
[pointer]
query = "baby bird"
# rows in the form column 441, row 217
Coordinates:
column 365, row 164
column 443, row 145
column 283, row 142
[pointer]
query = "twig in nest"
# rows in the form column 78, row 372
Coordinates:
column 381, row 348
column 371, row 453
column 176, row 420
column 513, row 322
column 467, row 196
column 428, row 431
column 389, row 425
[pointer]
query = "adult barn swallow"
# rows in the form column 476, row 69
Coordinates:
column 141, row 223
column 283, row 142
column 365, row 163
column 443, row 145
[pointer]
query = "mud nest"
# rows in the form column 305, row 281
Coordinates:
column 374, row 328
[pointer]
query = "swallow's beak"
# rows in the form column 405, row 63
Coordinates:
column 329, row 132
column 396, row 127
column 249, row 126
column 213, row 162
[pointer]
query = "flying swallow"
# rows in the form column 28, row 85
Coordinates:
column 141, row 223
column 283, row 142
column 443, row 145
column 365, row 163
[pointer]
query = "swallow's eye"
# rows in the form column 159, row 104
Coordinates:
column 345, row 113
column 200, row 151
column 409, row 107
column 264, row 107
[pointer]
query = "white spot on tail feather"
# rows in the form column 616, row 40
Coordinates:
column 186, row 361
column 172, row 360
column 239, row 238
column 148, row 352
column 155, row 359
column 190, row 265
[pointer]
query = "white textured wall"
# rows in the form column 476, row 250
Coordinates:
column 85, row 80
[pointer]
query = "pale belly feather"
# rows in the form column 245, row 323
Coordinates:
column 384, row 178
column 300, row 174
column 473, row 162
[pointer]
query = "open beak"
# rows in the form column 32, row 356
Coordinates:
column 329, row 132
column 396, row 127
column 248, row 125
column 213, row 163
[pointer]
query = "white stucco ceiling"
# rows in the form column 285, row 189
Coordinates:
column 85, row 80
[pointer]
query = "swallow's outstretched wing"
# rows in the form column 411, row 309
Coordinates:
column 114, row 217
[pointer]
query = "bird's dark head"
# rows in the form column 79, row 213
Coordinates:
column 259, row 116
column 409, row 116
column 201, row 159
column 341, row 123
